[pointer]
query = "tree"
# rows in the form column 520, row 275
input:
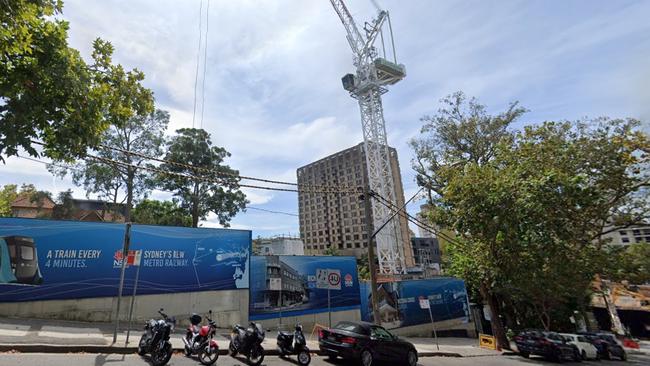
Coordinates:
column 529, row 218
column 629, row 263
column 166, row 213
column 8, row 195
column 49, row 93
column 122, row 183
column 64, row 208
column 211, row 186
column 459, row 135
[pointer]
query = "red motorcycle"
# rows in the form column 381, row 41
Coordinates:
column 199, row 340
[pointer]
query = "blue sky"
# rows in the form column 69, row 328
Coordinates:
column 273, row 95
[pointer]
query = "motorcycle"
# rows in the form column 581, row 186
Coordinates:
column 248, row 341
column 155, row 339
column 199, row 340
column 294, row 344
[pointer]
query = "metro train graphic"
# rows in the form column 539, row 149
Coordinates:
column 19, row 261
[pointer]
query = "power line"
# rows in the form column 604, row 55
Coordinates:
column 205, row 59
column 271, row 211
column 417, row 222
column 231, row 175
column 198, row 60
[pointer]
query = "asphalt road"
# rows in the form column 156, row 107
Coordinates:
column 43, row 359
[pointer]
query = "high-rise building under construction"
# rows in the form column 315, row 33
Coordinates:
column 338, row 220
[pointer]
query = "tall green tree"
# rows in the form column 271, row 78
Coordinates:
column 530, row 218
column 121, row 179
column 8, row 195
column 50, row 93
column 216, row 186
column 166, row 213
column 64, row 208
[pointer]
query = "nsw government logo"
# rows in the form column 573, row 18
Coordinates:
column 348, row 280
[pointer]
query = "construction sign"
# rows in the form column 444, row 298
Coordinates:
column 487, row 341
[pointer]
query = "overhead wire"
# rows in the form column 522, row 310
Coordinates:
column 198, row 60
column 271, row 211
column 205, row 58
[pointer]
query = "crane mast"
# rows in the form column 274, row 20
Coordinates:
column 373, row 74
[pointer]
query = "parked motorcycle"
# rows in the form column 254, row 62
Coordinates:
column 155, row 339
column 199, row 340
column 248, row 341
column 294, row 344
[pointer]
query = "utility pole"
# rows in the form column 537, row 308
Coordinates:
column 371, row 255
column 125, row 253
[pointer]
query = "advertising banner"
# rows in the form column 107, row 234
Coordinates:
column 298, row 285
column 406, row 303
column 49, row 259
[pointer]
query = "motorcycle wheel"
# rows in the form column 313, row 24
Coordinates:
column 256, row 355
column 162, row 355
column 304, row 358
column 208, row 355
column 142, row 345
column 233, row 349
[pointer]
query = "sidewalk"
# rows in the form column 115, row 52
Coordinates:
column 54, row 336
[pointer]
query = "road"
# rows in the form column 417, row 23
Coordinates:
column 31, row 359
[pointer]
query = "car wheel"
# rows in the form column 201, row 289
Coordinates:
column 584, row 355
column 524, row 354
column 366, row 358
column 331, row 357
column 559, row 357
column 623, row 356
column 412, row 358
column 577, row 357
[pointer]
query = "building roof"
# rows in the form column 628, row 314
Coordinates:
column 24, row 200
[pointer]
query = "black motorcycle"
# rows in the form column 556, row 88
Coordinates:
column 294, row 344
column 199, row 340
column 248, row 341
column 155, row 339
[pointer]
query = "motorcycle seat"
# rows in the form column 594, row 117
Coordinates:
column 285, row 334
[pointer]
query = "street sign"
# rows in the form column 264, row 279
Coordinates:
column 424, row 302
column 328, row 279
column 275, row 284
column 334, row 279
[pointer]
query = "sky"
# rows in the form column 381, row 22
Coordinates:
column 273, row 95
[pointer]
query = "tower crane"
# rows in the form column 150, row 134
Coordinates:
column 366, row 85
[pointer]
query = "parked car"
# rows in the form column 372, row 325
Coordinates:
column 614, row 347
column 365, row 342
column 585, row 347
column 549, row 345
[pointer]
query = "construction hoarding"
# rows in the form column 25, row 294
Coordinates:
column 49, row 259
column 298, row 285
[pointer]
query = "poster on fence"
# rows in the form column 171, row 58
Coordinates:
column 50, row 259
column 298, row 285
column 400, row 302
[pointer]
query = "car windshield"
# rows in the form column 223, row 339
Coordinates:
column 350, row 327
column 380, row 333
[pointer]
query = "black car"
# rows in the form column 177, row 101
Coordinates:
column 607, row 346
column 366, row 342
column 549, row 345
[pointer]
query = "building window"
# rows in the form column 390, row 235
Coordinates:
column 623, row 232
column 625, row 240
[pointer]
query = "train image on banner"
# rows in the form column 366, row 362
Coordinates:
column 19, row 261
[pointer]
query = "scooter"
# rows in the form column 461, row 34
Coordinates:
column 248, row 341
column 199, row 340
column 294, row 344
column 155, row 339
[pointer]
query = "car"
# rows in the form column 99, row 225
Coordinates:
column 549, row 345
column 367, row 343
column 585, row 347
column 614, row 347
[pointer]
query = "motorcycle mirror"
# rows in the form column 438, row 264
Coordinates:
column 210, row 312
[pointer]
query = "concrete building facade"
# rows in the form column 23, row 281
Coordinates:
column 337, row 221
column 629, row 235
column 281, row 245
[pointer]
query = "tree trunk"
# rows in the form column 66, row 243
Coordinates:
column 497, row 326
column 195, row 206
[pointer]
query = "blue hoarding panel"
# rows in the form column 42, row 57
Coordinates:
column 399, row 301
column 288, row 284
column 67, row 259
